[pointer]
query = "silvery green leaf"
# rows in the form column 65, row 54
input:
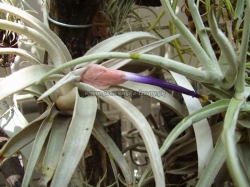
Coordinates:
column 40, row 139
column 239, row 9
column 41, row 156
column 118, row 41
column 227, row 49
column 202, row 129
column 217, row 160
column 243, row 153
column 38, row 90
column 158, row 94
column 22, row 79
column 33, row 34
column 244, row 122
column 117, row 63
column 22, row 53
column 22, row 138
column 54, row 148
column 203, row 113
column 217, row 91
column 102, row 136
column 70, row 77
column 76, row 140
column 40, row 27
column 139, row 121
column 235, row 168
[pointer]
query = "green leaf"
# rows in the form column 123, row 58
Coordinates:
column 102, row 136
column 158, row 94
column 235, row 169
column 227, row 49
column 216, row 162
column 22, row 53
column 22, row 79
column 201, row 128
column 41, row 28
column 117, row 63
column 243, row 152
column 76, row 140
column 38, row 145
column 139, row 121
column 70, row 77
column 207, row 111
column 54, row 148
column 22, row 138
column 239, row 10
column 38, row 90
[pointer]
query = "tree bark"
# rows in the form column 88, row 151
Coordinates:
column 74, row 12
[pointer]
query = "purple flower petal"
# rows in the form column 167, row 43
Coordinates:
column 157, row 82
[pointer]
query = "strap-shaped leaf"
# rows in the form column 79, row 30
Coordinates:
column 22, row 53
column 202, row 129
column 38, row 90
column 139, row 121
column 102, row 136
column 38, row 145
column 158, row 94
column 207, row 111
column 117, row 63
column 22, row 79
column 54, row 148
column 23, row 137
column 118, row 41
column 217, row 160
column 235, row 169
column 40, row 27
column 76, row 140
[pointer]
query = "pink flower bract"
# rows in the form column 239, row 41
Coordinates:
column 101, row 77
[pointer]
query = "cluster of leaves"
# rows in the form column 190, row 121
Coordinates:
column 62, row 132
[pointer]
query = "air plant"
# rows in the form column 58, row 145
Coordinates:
column 63, row 84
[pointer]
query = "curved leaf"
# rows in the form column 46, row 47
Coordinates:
column 54, row 148
column 201, row 128
column 38, row 90
column 140, row 123
column 22, row 53
column 38, row 145
column 217, row 160
column 227, row 135
column 41, row 28
column 158, row 94
column 34, row 35
column 117, row 63
column 22, row 79
column 76, row 140
column 23, row 137
column 207, row 111
column 102, row 136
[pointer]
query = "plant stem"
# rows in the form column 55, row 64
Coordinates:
column 194, row 44
column 227, row 135
column 240, row 81
column 201, row 32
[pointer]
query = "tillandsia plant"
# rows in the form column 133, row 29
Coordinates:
column 62, row 132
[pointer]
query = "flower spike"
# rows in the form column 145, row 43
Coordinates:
column 101, row 77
